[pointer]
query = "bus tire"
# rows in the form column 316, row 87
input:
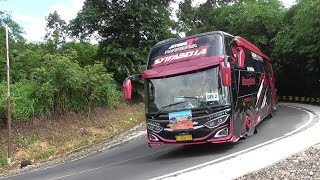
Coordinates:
column 250, row 126
column 272, row 109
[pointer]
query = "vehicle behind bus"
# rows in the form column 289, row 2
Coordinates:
column 207, row 88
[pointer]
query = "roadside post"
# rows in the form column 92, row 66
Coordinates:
column 8, row 97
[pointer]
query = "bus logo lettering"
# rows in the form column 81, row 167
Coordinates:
column 191, row 54
column 248, row 82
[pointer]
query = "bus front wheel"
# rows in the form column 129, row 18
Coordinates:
column 250, row 125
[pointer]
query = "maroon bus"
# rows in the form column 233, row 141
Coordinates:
column 207, row 88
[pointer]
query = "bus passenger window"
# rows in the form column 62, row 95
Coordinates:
column 259, row 67
column 252, row 63
column 227, row 45
column 249, row 62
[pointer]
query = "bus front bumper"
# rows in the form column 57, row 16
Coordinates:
column 222, row 134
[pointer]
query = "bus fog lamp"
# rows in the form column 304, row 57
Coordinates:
column 222, row 133
column 153, row 137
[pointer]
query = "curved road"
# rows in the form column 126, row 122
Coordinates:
column 135, row 160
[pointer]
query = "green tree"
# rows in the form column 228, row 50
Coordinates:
column 16, row 41
column 25, row 61
column 55, row 30
column 188, row 18
column 16, row 30
column 297, row 50
column 126, row 31
column 85, row 52
column 61, row 81
column 257, row 21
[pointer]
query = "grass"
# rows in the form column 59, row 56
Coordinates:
column 42, row 140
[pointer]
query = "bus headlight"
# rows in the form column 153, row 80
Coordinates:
column 216, row 122
column 154, row 128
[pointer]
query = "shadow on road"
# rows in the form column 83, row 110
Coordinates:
column 196, row 150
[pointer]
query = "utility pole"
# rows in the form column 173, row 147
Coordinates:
column 8, row 87
column 8, row 98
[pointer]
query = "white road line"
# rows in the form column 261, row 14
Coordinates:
column 239, row 152
column 100, row 167
column 304, row 125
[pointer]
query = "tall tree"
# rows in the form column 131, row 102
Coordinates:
column 16, row 30
column 133, row 23
column 188, row 18
column 55, row 30
column 126, row 30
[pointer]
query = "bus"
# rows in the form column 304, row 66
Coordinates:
column 207, row 88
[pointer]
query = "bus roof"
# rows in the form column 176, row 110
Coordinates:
column 240, row 42
column 188, row 37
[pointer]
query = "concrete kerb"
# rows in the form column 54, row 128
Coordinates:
column 241, row 163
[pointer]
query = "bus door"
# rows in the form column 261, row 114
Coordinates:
column 252, row 89
column 272, row 84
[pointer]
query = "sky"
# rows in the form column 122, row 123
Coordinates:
column 30, row 14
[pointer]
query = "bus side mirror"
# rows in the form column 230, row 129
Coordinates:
column 127, row 85
column 225, row 73
column 127, row 89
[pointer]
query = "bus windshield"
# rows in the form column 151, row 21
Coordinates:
column 201, row 89
column 186, row 49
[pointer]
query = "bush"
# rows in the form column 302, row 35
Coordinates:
column 3, row 161
column 58, row 86
column 101, row 88
column 23, row 101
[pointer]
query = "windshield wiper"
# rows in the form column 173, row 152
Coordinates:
column 197, row 98
column 166, row 107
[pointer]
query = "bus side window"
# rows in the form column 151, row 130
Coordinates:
column 227, row 45
column 259, row 67
column 249, row 62
column 252, row 64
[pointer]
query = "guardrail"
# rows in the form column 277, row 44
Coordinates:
column 300, row 99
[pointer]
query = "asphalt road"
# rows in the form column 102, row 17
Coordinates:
column 135, row 160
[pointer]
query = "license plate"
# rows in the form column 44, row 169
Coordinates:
column 184, row 138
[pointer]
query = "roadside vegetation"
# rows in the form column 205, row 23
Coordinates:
column 40, row 140
column 66, row 91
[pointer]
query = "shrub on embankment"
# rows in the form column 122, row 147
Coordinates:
column 60, row 85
